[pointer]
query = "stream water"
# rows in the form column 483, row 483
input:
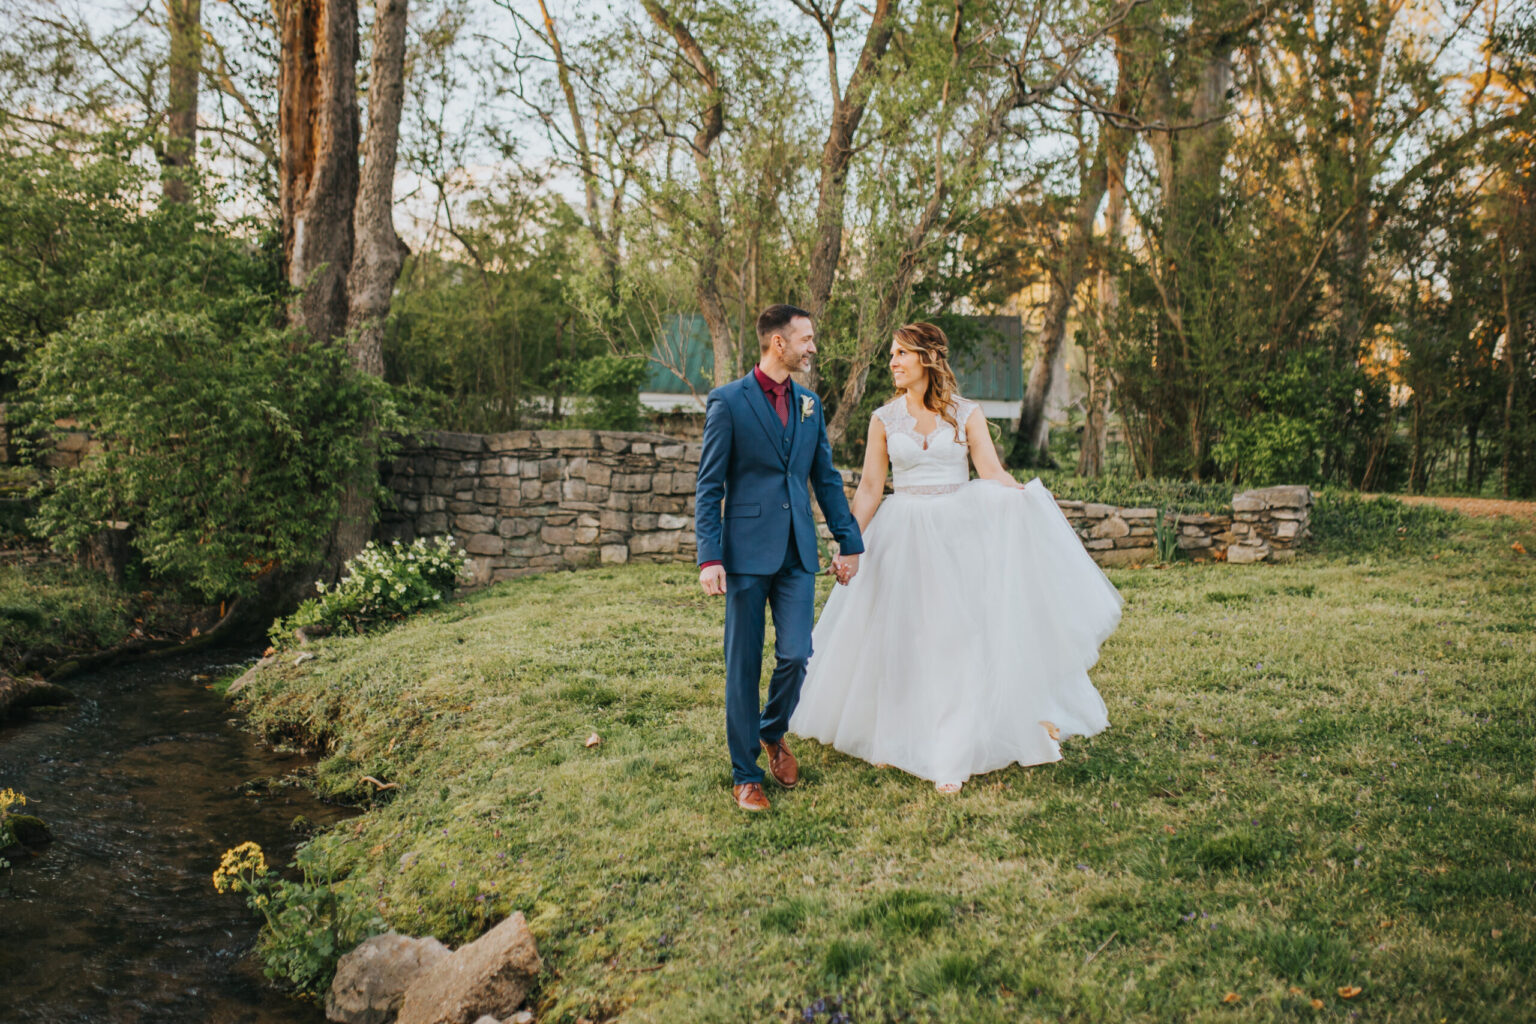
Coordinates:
column 145, row 780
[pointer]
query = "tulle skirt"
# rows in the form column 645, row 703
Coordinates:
column 963, row 644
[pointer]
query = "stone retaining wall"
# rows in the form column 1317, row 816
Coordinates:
column 1264, row 525
column 532, row 500
column 528, row 501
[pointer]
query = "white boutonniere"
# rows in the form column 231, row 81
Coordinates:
column 807, row 407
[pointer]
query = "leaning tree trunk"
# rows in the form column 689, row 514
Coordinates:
column 185, row 21
column 378, row 253
column 317, row 157
column 836, row 159
column 1091, row 454
column 1031, row 441
column 711, row 230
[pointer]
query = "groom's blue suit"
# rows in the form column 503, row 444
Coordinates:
column 758, row 469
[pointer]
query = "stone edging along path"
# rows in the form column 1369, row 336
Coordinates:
column 527, row 501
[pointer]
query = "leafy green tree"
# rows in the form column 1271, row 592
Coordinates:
column 223, row 439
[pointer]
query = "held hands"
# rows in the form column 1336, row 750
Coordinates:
column 844, row 567
column 712, row 580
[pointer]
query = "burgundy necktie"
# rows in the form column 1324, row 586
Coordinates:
column 781, row 402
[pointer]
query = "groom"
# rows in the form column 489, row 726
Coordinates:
column 764, row 440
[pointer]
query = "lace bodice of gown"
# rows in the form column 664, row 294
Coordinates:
column 931, row 464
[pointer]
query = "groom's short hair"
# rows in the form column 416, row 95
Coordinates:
column 773, row 319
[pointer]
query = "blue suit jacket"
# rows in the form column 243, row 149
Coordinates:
column 764, row 491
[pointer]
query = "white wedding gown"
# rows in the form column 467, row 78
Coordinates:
column 965, row 639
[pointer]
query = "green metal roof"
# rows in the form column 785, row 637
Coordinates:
column 986, row 352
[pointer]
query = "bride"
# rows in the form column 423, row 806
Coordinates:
column 964, row 643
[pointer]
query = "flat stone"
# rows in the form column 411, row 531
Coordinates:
column 1246, row 554
column 558, row 535
column 671, row 522
column 490, row 975
column 1249, row 501
column 1101, row 544
column 613, row 554
column 514, row 440
column 567, row 439
column 474, row 523
column 371, row 980
column 485, row 544
column 455, row 442
column 1285, row 496
column 1189, row 543
column 1111, row 526
column 598, row 474
column 1094, row 510
column 1124, row 556
column 1287, row 528
column 668, row 452
column 1138, row 513
column 653, row 543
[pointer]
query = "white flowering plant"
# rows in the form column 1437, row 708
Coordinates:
column 383, row 581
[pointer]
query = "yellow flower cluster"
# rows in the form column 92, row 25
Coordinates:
column 10, row 798
column 239, row 868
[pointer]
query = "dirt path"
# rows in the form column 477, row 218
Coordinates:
column 1481, row 508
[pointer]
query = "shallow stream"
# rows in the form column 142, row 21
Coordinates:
column 145, row 781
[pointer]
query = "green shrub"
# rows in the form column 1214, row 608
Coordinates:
column 1169, row 495
column 226, row 438
column 379, row 583
column 613, row 384
column 1346, row 523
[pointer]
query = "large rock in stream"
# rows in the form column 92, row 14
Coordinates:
column 18, row 693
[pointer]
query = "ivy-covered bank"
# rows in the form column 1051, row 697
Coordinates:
column 1314, row 802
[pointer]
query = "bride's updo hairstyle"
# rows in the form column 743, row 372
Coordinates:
column 932, row 350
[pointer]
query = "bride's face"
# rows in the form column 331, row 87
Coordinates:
column 907, row 369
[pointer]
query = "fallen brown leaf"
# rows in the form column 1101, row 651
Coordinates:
column 1349, row 991
column 1317, row 1004
column 1231, row 997
column 594, row 740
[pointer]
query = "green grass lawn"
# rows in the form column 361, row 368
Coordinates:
column 1318, row 776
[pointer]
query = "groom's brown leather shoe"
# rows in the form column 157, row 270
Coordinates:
column 750, row 796
column 785, row 769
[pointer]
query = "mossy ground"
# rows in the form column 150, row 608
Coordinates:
column 1318, row 776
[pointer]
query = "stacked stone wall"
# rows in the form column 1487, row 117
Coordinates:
column 529, row 501
column 532, row 500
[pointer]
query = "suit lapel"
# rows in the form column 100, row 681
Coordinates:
column 753, row 394
column 801, row 427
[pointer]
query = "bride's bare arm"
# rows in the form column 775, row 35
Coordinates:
column 983, row 453
column 872, row 478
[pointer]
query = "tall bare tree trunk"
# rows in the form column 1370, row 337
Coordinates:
column 185, row 21
column 317, row 157
column 848, row 108
column 1031, row 440
column 1116, row 141
column 710, row 227
column 378, row 252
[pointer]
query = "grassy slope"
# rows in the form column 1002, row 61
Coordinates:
column 1318, row 776
column 57, row 611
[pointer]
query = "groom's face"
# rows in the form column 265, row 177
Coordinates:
column 798, row 344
